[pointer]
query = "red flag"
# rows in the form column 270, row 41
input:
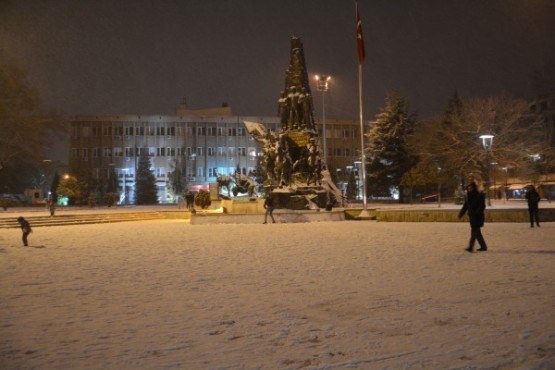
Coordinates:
column 360, row 39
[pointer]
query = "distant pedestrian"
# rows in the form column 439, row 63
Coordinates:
column 269, row 206
column 190, row 199
column 25, row 228
column 475, row 204
column 533, row 199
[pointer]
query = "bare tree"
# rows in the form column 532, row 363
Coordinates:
column 453, row 139
column 25, row 131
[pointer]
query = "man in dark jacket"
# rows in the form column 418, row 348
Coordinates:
column 533, row 199
column 269, row 206
column 475, row 204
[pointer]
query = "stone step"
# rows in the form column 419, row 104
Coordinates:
column 38, row 221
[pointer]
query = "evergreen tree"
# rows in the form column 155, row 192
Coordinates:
column 145, row 183
column 177, row 182
column 388, row 155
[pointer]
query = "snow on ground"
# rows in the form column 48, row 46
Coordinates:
column 330, row 295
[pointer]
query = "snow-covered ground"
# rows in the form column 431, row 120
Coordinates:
column 343, row 295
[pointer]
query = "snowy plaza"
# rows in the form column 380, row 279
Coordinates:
column 165, row 294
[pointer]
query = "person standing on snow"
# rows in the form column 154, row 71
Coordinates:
column 25, row 228
column 475, row 204
column 269, row 206
column 533, row 199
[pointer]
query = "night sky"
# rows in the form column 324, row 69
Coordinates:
column 107, row 57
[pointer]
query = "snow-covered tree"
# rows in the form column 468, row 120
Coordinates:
column 388, row 154
column 146, row 191
column 453, row 139
column 177, row 181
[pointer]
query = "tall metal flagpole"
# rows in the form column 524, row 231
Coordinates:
column 362, row 152
column 361, row 57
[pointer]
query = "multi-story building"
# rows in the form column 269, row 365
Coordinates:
column 206, row 143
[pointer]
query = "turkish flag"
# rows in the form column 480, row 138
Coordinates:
column 360, row 39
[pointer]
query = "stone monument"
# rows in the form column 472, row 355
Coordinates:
column 295, row 174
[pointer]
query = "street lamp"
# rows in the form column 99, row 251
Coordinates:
column 506, row 170
column 323, row 87
column 495, row 192
column 487, row 142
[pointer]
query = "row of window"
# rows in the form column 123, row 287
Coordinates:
column 190, row 172
column 150, row 130
column 184, row 151
column 338, row 133
column 164, row 152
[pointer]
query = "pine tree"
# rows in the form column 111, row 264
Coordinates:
column 145, row 183
column 177, row 181
column 387, row 152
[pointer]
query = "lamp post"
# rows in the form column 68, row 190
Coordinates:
column 494, row 164
column 323, row 87
column 506, row 190
column 487, row 141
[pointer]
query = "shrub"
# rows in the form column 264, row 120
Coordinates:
column 5, row 203
column 202, row 199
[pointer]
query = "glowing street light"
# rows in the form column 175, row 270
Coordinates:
column 322, row 81
column 487, row 142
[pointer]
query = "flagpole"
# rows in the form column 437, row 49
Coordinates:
column 361, row 56
column 362, row 152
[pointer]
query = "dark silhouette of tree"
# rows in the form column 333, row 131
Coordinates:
column 146, row 191
column 26, row 132
column 388, row 154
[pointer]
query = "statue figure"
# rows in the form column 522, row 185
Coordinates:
column 283, row 162
column 224, row 181
column 292, row 104
column 243, row 184
column 269, row 157
column 283, row 111
column 307, row 110
column 314, row 163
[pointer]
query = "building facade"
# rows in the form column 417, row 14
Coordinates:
column 203, row 144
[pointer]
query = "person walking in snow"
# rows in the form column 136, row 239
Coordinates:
column 474, row 205
column 533, row 199
column 25, row 228
column 269, row 206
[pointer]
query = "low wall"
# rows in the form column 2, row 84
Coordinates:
column 247, row 207
column 451, row 215
column 281, row 216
